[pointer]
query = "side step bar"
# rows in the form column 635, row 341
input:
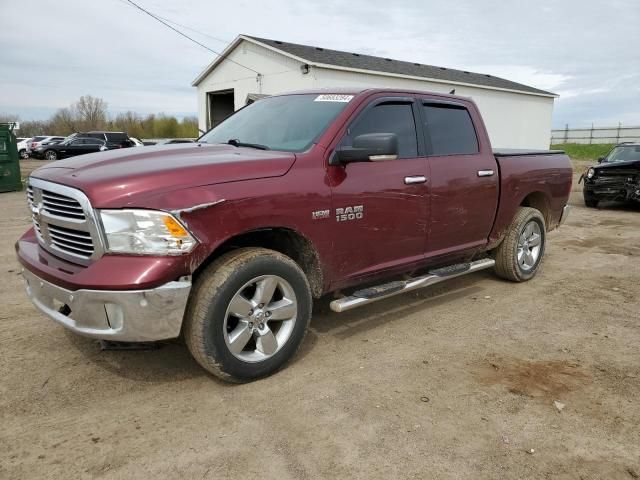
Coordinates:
column 373, row 294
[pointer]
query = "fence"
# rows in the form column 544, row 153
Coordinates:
column 595, row 135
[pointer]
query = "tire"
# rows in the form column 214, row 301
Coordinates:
column 23, row 154
column 50, row 155
column 210, row 327
column 590, row 200
column 512, row 261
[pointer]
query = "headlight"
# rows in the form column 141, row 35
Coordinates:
column 590, row 173
column 145, row 232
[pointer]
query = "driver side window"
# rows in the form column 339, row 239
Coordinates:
column 388, row 118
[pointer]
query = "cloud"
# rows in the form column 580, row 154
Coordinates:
column 586, row 53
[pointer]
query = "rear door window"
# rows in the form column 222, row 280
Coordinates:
column 116, row 136
column 450, row 129
column 389, row 117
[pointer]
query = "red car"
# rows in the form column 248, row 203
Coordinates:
column 227, row 241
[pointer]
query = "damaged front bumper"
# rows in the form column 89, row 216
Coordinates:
column 623, row 191
column 118, row 315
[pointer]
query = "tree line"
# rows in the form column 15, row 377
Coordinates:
column 90, row 113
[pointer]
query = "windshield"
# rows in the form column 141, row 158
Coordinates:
column 69, row 138
column 626, row 153
column 290, row 122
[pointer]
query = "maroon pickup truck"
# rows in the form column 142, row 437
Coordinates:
column 225, row 242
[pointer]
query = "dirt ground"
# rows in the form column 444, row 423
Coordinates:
column 457, row 381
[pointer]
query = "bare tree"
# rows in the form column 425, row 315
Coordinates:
column 64, row 121
column 129, row 122
column 91, row 112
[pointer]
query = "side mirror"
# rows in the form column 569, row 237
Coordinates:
column 369, row 147
column 601, row 159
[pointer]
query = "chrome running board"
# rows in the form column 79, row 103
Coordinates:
column 370, row 295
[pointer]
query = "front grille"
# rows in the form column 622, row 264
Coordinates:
column 61, row 206
column 611, row 180
column 64, row 221
column 72, row 240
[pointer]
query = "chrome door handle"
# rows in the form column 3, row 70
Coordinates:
column 485, row 173
column 414, row 179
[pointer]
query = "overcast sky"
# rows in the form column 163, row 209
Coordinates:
column 586, row 51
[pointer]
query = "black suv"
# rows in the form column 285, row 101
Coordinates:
column 74, row 146
column 616, row 178
column 112, row 139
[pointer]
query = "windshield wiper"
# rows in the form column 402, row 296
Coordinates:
column 237, row 143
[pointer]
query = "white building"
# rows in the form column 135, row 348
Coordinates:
column 516, row 115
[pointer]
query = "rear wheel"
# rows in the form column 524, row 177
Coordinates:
column 23, row 154
column 51, row 155
column 519, row 255
column 248, row 314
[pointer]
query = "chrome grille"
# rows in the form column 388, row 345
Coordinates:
column 61, row 205
column 64, row 221
column 72, row 240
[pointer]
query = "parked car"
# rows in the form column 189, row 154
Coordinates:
column 616, row 178
column 227, row 247
column 36, row 141
column 73, row 147
column 38, row 151
column 23, row 147
column 111, row 139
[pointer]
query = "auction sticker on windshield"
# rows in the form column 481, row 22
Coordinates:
column 333, row 98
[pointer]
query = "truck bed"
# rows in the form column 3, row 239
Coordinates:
column 537, row 178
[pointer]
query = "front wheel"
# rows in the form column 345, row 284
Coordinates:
column 51, row 155
column 23, row 154
column 248, row 314
column 519, row 255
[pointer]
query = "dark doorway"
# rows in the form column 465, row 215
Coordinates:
column 220, row 105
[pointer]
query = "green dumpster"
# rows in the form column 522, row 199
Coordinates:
column 9, row 160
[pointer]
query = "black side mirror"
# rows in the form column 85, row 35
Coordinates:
column 601, row 159
column 369, row 147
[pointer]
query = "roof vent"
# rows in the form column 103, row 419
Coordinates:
column 319, row 49
column 465, row 71
column 278, row 42
column 388, row 60
column 442, row 68
column 487, row 75
column 355, row 54
column 417, row 64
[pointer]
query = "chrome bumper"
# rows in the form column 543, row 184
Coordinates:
column 127, row 316
column 565, row 213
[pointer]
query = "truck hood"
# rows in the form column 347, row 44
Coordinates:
column 629, row 164
column 119, row 178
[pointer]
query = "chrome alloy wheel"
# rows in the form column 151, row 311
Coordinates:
column 260, row 318
column 529, row 245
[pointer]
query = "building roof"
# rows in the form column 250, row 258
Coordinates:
column 327, row 58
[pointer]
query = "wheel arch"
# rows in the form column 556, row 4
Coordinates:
column 541, row 202
column 285, row 240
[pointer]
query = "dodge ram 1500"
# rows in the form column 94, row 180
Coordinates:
column 226, row 241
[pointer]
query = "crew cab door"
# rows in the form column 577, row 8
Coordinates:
column 378, row 220
column 464, row 177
